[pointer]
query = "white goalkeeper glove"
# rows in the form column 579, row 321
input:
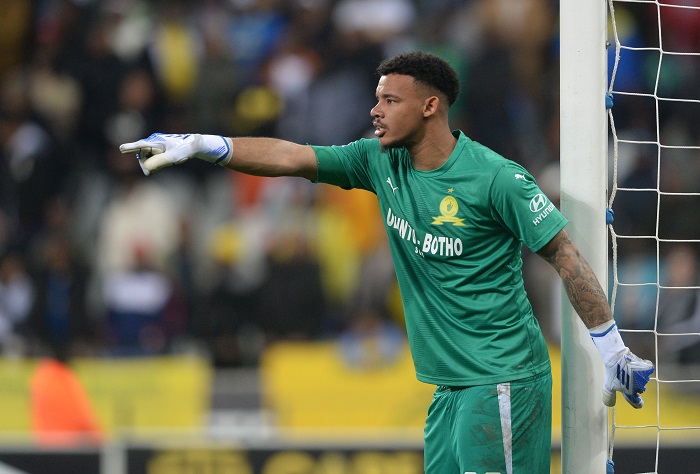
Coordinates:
column 162, row 149
column 624, row 371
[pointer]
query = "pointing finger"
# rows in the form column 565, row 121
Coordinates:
column 143, row 146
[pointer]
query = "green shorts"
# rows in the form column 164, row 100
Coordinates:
column 491, row 429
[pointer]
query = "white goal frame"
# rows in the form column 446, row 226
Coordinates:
column 583, row 161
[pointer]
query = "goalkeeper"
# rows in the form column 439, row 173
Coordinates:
column 456, row 214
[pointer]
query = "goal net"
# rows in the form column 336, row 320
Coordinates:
column 654, row 168
column 638, row 155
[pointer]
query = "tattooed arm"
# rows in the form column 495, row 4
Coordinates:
column 591, row 304
column 582, row 287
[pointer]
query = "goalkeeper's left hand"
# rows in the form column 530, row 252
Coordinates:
column 161, row 150
column 624, row 371
column 629, row 375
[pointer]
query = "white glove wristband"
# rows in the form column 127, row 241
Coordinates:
column 215, row 149
column 162, row 149
column 607, row 339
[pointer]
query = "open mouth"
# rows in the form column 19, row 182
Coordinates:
column 379, row 129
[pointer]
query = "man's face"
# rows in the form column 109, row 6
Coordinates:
column 398, row 115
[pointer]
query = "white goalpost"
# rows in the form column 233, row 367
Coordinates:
column 583, row 135
column 665, row 435
column 672, row 139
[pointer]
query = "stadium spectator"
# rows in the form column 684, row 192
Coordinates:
column 144, row 309
column 679, row 306
column 16, row 296
column 138, row 243
column 28, row 170
column 59, row 315
column 61, row 411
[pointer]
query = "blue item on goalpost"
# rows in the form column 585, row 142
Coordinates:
column 610, row 467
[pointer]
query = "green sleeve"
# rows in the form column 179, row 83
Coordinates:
column 521, row 206
column 346, row 166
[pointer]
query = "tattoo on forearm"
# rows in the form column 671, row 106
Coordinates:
column 582, row 287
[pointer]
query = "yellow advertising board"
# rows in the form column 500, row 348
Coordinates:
column 130, row 394
column 311, row 385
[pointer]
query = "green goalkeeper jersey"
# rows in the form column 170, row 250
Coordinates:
column 456, row 235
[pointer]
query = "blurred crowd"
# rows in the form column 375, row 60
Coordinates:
column 98, row 258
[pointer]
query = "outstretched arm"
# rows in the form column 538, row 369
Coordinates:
column 257, row 156
column 272, row 157
column 625, row 372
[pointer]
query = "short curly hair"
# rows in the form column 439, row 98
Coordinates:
column 426, row 68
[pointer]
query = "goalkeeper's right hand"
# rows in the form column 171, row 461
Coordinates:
column 161, row 150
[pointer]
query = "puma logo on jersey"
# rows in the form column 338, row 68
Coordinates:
column 520, row 176
column 393, row 188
